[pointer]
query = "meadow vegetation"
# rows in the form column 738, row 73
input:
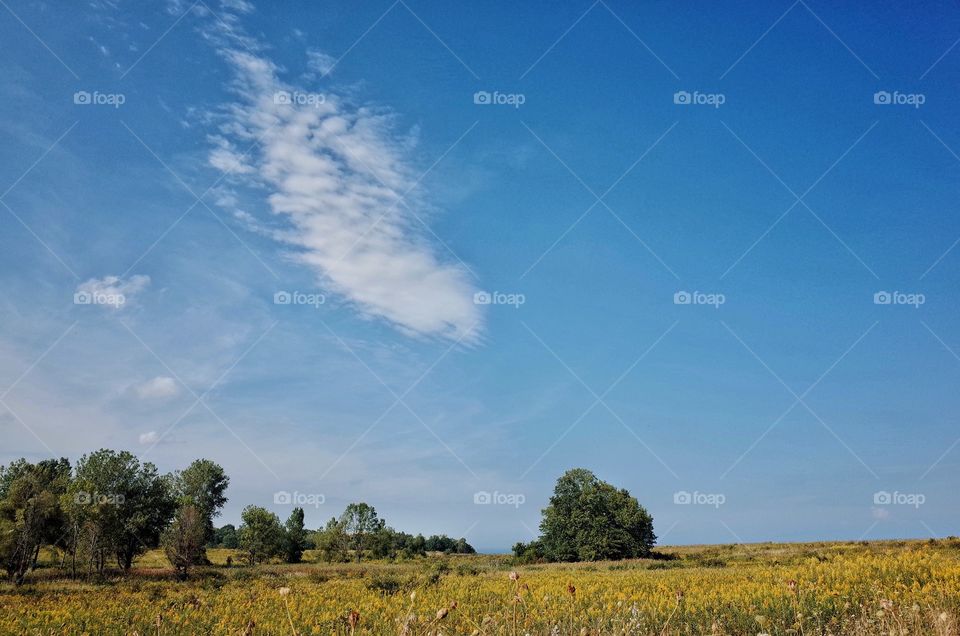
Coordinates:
column 841, row 588
column 110, row 546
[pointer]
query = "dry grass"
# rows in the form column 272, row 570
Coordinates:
column 889, row 588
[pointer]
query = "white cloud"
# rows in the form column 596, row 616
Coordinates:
column 159, row 387
column 151, row 437
column 111, row 291
column 320, row 62
column 336, row 173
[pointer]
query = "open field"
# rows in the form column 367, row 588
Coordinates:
column 824, row 588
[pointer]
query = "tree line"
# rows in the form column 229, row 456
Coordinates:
column 356, row 532
column 111, row 508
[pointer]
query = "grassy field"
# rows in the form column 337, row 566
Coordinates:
column 848, row 588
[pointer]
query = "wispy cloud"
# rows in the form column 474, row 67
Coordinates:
column 345, row 183
column 158, row 388
column 111, row 291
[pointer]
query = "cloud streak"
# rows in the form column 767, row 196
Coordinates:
column 344, row 182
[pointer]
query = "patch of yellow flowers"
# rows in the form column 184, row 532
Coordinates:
column 891, row 592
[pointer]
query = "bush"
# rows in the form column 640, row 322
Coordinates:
column 388, row 585
column 434, row 573
column 318, row 576
column 467, row 569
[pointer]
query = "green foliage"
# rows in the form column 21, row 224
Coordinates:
column 261, row 535
column 361, row 523
column 183, row 540
column 389, row 543
column 332, row 542
column 295, row 537
column 117, row 506
column 443, row 543
column 113, row 508
column 590, row 520
column 529, row 552
column 225, row 537
column 30, row 511
column 202, row 484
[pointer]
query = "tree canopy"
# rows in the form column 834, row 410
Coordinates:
column 260, row 534
column 588, row 519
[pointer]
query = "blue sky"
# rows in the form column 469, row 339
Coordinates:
column 776, row 165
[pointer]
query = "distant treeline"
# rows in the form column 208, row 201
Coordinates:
column 110, row 508
column 385, row 543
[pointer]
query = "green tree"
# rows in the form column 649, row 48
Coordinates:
column 390, row 543
column 225, row 537
column 183, row 540
column 529, row 552
column 295, row 537
column 361, row 523
column 332, row 542
column 202, row 484
column 260, row 534
column 443, row 543
column 30, row 512
column 588, row 520
column 117, row 506
column 462, row 547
